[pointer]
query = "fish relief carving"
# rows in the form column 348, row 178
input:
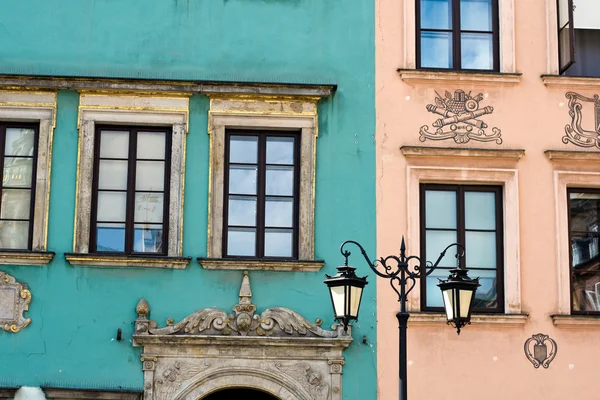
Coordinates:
column 460, row 119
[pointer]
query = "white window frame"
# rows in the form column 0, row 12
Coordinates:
column 130, row 109
column 256, row 112
column 506, row 35
column 508, row 179
column 38, row 108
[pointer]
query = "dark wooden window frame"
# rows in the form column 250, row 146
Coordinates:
column 456, row 38
column 567, row 63
column 131, row 173
column 36, row 129
column 261, row 191
column 460, row 220
column 597, row 234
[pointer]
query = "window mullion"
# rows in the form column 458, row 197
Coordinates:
column 456, row 35
column 261, row 196
column 460, row 222
column 130, row 202
column 2, row 158
column 32, row 187
column 167, row 192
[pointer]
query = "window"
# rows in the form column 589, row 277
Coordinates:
column 458, row 34
column 261, row 195
column 131, row 198
column 579, row 37
column 470, row 215
column 584, row 234
column 18, row 159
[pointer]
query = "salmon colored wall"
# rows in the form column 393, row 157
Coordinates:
column 487, row 360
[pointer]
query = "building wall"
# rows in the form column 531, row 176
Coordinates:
column 76, row 311
column 487, row 359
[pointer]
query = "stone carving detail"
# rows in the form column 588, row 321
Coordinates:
column 540, row 355
column 459, row 119
column 275, row 321
column 574, row 132
column 173, row 374
column 308, row 377
column 14, row 301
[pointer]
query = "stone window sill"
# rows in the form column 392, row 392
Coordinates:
column 106, row 260
column 79, row 394
column 504, row 320
column 572, row 155
column 17, row 257
column 261, row 265
column 416, row 76
column 576, row 321
column 559, row 81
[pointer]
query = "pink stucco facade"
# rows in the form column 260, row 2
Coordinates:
column 534, row 166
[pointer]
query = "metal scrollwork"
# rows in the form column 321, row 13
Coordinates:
column 574, row 132
column 461, row 113
column 537, row 351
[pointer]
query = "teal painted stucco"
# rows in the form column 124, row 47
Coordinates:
column 76, row 311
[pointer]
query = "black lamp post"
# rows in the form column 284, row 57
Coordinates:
column 458, row 291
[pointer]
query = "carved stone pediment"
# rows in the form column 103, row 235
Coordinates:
column 277, row 351
column 14, row 301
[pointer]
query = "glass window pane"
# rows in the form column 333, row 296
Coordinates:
column 584, row 251
column 241, row 242
column 149, row 207
column 280, row 181
column 480, row 249
column 279, row 212
column 565, row 45
column 278, row 242
column 19, row 142
column 433, row 292
column 563, row 12
column 436, row 50
column 242, row 180
column 242, row 211
column 113, row 175
column 17, row 172
column 150, row 175
column 486, row 295
column 14, row 234
column 114, row 144
column 436, row 14
column 584, row 209
column 440, row 209
column 111, row 206
column 280, row 150
column 586, row 291
column 243, row 149
column 436, row 242
column 110, row 237
column 151, row 145
column 480, row 210
column 477, row 51
column 148, row 238
column 476, row 15
column 16, row 204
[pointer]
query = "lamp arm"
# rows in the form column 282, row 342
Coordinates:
column 371, row 264
column 460, row 254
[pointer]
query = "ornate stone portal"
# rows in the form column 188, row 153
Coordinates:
column 278, row 351
column 14, row 301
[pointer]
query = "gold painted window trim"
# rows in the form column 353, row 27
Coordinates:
column 129, row 109
column 244, row 111
column 104, row 260
column 266, row 265
column 38, row 107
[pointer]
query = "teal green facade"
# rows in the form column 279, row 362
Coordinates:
column 77, row 310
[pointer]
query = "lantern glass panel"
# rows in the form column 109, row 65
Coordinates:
column 448, row 296
column 465, row 302
column 355, row 296
column 338, row 297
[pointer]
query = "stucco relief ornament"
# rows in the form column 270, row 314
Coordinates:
column 460, row 119
column 574, row 132
column 537, row 351
column 14, row 301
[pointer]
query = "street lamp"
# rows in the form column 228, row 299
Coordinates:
column 458, row 291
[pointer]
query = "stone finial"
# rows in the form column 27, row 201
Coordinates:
column 245, row 291
column 143, row 308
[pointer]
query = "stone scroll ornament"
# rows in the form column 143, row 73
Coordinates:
column 574, row 133
column 14, row 301
column 460, row 118
column 540, row 349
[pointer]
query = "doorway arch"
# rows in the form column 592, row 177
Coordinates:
column 240, row 393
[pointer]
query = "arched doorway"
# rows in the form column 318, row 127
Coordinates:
column 240, row 394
